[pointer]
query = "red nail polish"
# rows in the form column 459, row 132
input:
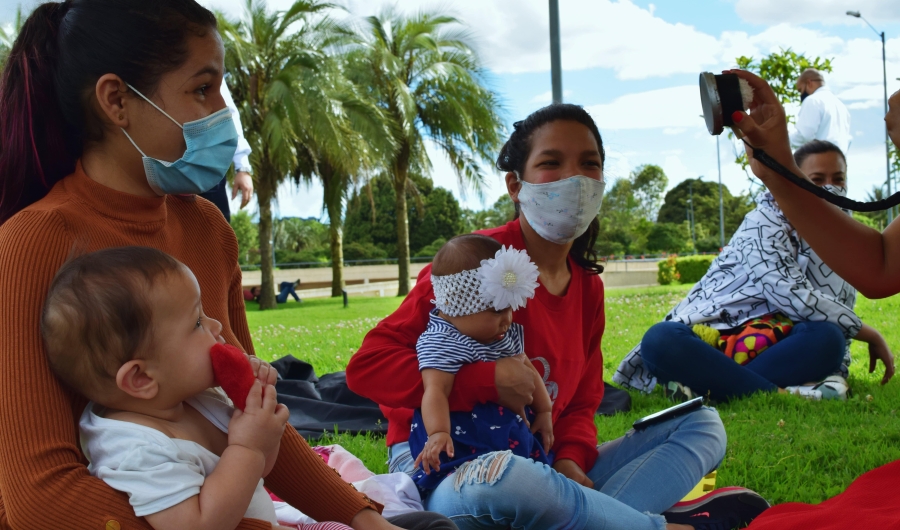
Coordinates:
column 737, row 116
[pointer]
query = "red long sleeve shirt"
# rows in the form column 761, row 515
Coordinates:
column 562, row 338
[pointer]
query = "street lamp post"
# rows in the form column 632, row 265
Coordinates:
column 555, row 61
column 721, row 205
column 887, row 151
column 691, row 203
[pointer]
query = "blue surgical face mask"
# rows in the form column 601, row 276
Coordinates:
column 211, row 143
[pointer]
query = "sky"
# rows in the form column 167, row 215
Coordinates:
column 634, row 66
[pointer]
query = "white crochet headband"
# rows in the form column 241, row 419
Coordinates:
column 506, row 280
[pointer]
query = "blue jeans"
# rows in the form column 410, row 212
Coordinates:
column 285, row 289
column 811, row 352
column 635, row 477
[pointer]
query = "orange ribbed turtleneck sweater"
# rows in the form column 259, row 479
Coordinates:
column 44, row 482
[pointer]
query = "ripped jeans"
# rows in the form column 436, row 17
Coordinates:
column 635, row 477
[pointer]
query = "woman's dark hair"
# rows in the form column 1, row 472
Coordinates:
column 816, row 147
column 516, row 150
column 47, row 110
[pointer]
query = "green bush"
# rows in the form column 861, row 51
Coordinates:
column 430, row 250
column 357, row 250
column 668, row 272
column 284, row 257
column 692, row 268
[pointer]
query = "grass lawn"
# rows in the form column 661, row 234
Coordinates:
column 784, row 447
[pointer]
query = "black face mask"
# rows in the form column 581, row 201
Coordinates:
column 803, row 95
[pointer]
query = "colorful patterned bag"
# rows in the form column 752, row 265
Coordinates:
column 746, row 342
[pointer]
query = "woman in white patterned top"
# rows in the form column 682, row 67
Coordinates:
column 766, row 269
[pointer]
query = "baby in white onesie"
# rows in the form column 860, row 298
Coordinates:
column 154, row 429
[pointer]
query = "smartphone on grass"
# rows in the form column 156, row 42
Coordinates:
column 669, row 413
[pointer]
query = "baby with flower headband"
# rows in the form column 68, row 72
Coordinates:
column 477, row 285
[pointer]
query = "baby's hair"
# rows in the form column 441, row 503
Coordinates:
column 97, row 315
column 463, row 253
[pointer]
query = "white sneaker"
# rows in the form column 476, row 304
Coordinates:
column 807, row 391
column 833, row 387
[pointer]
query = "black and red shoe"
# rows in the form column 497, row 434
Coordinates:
column 722, row 509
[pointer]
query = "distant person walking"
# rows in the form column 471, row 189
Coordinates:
column 822, row 115
column 243, row 182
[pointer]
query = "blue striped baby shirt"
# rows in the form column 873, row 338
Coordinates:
column 444, row 348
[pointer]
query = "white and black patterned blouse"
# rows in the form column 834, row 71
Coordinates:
column 765, row 268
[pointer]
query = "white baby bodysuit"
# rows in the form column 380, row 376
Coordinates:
column 158, row 472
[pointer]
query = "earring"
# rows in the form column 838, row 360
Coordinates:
column 121, row 116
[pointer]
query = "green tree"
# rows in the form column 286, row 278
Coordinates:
column 247, row 236
column 629, row 207
column 424, row 72
column 648, row 183
column 345, row 133
column 268, row 58
column 706, row 207
column 500, row 213
column 436, row 212
column 670, row 237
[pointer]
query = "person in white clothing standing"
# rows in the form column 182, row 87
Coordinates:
column 243, row 181
column 822, row 115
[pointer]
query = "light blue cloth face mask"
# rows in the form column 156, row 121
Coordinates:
column 211, row 143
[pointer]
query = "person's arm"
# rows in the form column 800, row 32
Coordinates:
column 767, row 256
column 862, row 256
column 574, row 431
column 241, row 157
column 436, row 416
column 243, row 181
column 390, row 348
column 543, row 409
column 878, row 351
column 226, row 493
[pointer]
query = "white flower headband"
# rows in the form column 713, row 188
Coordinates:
column 506, row 280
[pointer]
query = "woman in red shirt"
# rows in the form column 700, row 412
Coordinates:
column 554, row 173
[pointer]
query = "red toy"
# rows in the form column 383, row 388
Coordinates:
column 233, row 372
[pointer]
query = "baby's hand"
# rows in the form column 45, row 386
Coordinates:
column 260, row 426
column 543, row 423
column 263, row 371
column 430, row 457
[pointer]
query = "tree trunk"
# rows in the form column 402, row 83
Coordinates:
column 264, row 194
column 401, row 173
column 402, row 237
column 333, row 204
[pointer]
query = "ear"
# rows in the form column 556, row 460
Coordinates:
column 513, row 186
column 134, row 379
column 113, row 98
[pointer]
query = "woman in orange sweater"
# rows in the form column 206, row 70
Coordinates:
column 94, row 96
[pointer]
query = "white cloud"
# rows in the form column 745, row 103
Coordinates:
column 865, row 169
column 672, row 131
column 547, row 97
column 827, row 11
column 674, row 108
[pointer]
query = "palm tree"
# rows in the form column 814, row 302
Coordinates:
column 265, row 62
column 345, row 135
column 428, row 80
